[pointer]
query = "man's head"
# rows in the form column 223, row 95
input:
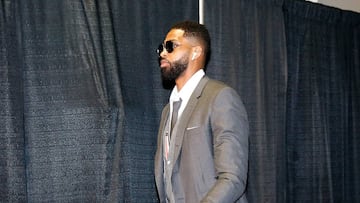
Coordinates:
column 185, row 50
column 196, row 31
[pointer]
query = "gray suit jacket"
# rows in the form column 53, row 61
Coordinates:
column 211, row 147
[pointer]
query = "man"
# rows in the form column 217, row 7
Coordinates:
column 203, row 156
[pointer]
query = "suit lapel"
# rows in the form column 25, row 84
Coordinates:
column 159, row 163
column 185, row 116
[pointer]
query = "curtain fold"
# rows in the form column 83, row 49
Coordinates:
column 249, row 53
column 323, row 103
column 12, row 165
column 70, row 127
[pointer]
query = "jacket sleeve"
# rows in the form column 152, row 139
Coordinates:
column 230, row 130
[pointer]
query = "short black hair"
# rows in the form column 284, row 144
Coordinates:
column 197, row 30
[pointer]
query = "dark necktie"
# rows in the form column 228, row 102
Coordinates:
column 176, row 106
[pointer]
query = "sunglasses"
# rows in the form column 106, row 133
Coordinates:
column 169, row 46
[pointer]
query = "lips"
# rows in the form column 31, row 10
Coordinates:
column 164, row 63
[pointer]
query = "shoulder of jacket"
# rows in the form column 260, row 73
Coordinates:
column 214, row 85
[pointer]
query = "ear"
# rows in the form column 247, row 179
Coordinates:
column 193, row 56
column 196, row 52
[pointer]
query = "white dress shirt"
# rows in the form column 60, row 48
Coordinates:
column 185, row 92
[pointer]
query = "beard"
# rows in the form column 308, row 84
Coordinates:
column 170, row 74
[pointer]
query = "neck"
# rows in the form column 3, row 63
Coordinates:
column 182, row 80
column 192, row 68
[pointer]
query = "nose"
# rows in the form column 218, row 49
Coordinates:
column 163, row 53
column 160, row 50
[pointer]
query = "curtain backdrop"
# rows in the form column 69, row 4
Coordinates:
column 249, row 53
column 323, row 101
column 81, row 96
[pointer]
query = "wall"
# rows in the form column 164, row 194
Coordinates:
column 352, row 5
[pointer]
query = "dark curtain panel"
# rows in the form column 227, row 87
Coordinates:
column 81, row 98
column 249, row 53
column 323, row 117
column 139, row 27
column 12, row 157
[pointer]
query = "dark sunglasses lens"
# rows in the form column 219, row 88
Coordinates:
column 169, row 46
column 160, row 49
